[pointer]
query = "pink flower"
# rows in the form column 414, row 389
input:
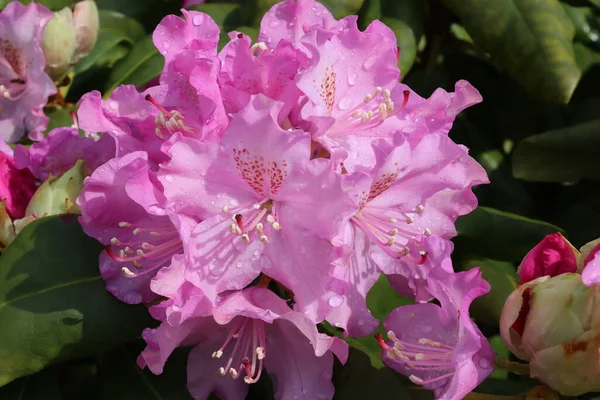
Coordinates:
column 589, row 263
column 352, row 87
column 554, row 255
column 24, row 85
column 16, row 186
column 290, row 20
column 60, row 150
column 121, row 207
column 266, row 207
column 251, row 69
column 388, row 233
column 441, row 348
column 251, row 330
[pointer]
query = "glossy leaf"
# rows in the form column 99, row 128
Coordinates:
column 141, row 65
column 499, row 235
column 406, row 42
column 148, row 12
column 562, row 155
column 115, row 29
column 53, row 304
column 54, row 5
column 531, row 39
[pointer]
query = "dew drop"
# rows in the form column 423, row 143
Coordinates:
column 335, row 301
column 338, row 324
column 484, row 363
column 370, row 62
column 113, row 104
column 233, row 202
column 345, row 102
column 198, row 19
column 360, row 322
column 203, row 181
column 216, row 267
column 169, row 178
column 239, row 264
column 274, row 23
column 352, row 77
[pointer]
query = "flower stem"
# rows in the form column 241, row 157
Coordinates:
column 511, row 366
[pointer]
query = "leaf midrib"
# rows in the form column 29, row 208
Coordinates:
column 50, row 289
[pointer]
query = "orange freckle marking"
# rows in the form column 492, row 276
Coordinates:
column 327, row 88
column 573, row 347
column 256, row 171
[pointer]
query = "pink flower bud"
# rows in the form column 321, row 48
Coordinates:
column 16, row 186
column 554, row 323
column 554, row 255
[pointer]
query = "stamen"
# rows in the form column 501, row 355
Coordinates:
column 124, row 224
column 416, row 380
column 276, row 226
column 127, row 272
column 368, row 98
column 221, row 371
column 225, row 209
column 115, row 242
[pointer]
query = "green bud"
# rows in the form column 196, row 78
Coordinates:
column 57, row 195
column 59, row 43
column 555, row 324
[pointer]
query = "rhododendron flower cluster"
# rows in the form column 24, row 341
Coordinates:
column 261, row 190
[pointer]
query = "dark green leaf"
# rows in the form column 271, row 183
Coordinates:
column 142, row 64
column 41, row 386
column 121, row 379
column 53, row 304
column 562, row 155
column 531, row 39
column 503, row 279
column 359, row 380
column 501, row 351
column 499, row 235
column 115, row 29
column 412, row 12
column 60, row 117
column 586, row 24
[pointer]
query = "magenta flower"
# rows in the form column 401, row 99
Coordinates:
column 16, row 186
column 554, row 255
column 60, row 150
column 121, row 207
column 251, row 69
column 290, row 20
column 352, row 87
column 388, row 233
column 24, row 85
column 441, row 348
column 251, row 330
column 266, row 207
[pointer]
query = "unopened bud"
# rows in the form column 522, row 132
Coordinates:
column 554, row 255
column 59, row 43
column 86, row 23
column 554, row 322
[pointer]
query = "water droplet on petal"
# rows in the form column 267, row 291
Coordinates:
column 274, row 23
column 370, row 62
column 335, row 301
column 484, row 363
column 239, row 264
column 338, row 324
column 345, row 102
column 169, row 178
column 360, row 322
column 113, row 104
column 198, row 19
column 352, row 77
column 216, row 267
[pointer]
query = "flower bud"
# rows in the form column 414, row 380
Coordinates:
column 554, row 322
column 86, row 22
column 554, row 255
column 59, row 43
column 57, row 195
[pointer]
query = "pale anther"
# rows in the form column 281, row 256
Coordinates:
column 221, row 371
column 127, row 271
column 155, row 233
column 427, row 232
column 234, row 374
column 383, row 111
column 137, row 231
column 147, row 246
column 264, row 239
column 392, row 336
column 393, row 220
column 391, row 240
column 217, row 354
column 276, row 226
column 259, row 227
column 357, row 113
column 115, row 242
column 225, row 209
column 420, row 208
column 246, row 238
column 415, row 379
column 270, row 219
column 387, row 94
column 256, row 206
column 124, row 224
column 368, row 98
column 140, row 253
column 419, row 356
column 378, row 90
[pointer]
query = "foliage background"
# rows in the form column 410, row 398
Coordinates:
column 537, row 133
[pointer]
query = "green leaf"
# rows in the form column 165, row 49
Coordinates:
column 359, row 380
column 41, row 386
column 586, row 24
column 503, row 279
column 500, row 350
column 115, row 29
column 562, row 155
column 411, row 12
column 53, row 304
column 498, row 235
column 531, row 39
column 338, row 8
column 142, row 64
column 60, row 117
column 121, row 378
